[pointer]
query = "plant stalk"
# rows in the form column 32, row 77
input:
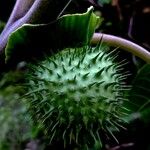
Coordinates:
column 123, row 44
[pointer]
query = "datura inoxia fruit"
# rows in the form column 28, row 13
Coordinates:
column 77, row 95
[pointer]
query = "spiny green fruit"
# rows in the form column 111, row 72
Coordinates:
column 77, row 95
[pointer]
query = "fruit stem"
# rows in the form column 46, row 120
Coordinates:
column 123, row 44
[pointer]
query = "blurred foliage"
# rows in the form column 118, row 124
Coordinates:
column 2, row 25
column 15, row 122
column 104, row 1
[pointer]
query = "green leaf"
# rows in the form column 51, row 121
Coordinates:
column 140, row 92
column 145, row 116
column 139, row 96
column 72, row 30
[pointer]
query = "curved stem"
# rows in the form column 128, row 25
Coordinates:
column 123, row 44
column 26, row 16
column 19, row 10
column 5, row 34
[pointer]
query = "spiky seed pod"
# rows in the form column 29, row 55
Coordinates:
column 76, row 95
